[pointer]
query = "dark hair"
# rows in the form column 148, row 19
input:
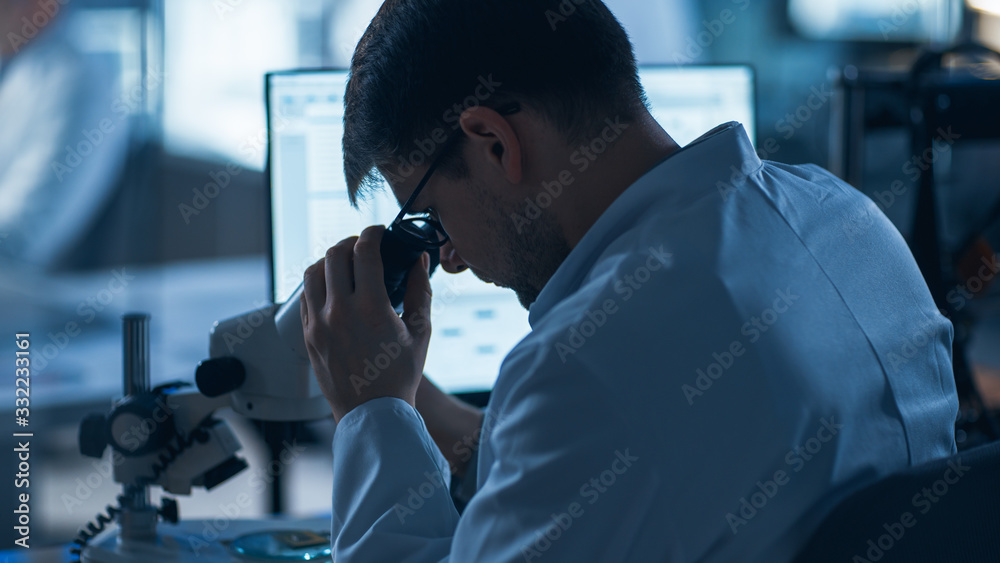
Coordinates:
column 420, row 63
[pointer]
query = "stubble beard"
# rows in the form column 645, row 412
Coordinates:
column 527, row 254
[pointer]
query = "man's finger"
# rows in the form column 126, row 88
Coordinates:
column 340, row 270
column 368, row 277
column 314, row 288
column 417, row 301
column 304, row 311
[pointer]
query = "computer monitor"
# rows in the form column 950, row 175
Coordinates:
column 687, row 101
column 475, row 324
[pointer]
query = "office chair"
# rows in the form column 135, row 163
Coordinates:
column 946, row 511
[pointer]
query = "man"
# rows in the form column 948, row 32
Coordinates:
column 721, row 348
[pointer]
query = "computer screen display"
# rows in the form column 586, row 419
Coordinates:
column 687, row 101
column 475, row 324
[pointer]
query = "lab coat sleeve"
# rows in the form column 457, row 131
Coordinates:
column 568, row 483
column 390, row 487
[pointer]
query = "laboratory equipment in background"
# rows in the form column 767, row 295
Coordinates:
column 923, row 144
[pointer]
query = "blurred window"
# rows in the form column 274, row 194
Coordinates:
column 216, row 55
column 935, row 21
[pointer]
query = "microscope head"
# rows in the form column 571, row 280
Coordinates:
column 260, row 359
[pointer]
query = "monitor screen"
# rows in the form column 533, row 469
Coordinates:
column 687, row 101
column 475, row 324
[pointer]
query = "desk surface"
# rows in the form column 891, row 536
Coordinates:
column 182, row 533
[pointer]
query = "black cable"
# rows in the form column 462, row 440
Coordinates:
column 102, row 519
column 95, row 527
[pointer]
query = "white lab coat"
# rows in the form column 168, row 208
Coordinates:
column 733, row 347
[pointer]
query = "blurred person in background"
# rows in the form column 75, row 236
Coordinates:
column 64, row 137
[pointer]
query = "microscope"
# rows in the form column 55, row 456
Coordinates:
column 168, row 436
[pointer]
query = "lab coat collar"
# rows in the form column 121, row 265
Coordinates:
column 717, row 162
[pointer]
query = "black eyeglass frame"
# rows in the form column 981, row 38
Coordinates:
column 400, row 222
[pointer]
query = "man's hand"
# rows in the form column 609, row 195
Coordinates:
column 359, row 348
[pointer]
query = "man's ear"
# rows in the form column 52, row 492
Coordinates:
column 495, row 138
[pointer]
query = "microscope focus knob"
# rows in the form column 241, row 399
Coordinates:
column 140, row 425
column 93, row 437
column 218, row 376
column 168, row 510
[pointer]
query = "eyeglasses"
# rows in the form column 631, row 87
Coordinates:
column 423, row 228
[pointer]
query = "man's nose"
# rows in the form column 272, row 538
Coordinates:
column 451, row 262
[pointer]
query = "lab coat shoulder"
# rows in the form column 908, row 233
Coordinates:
column 654, row 305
